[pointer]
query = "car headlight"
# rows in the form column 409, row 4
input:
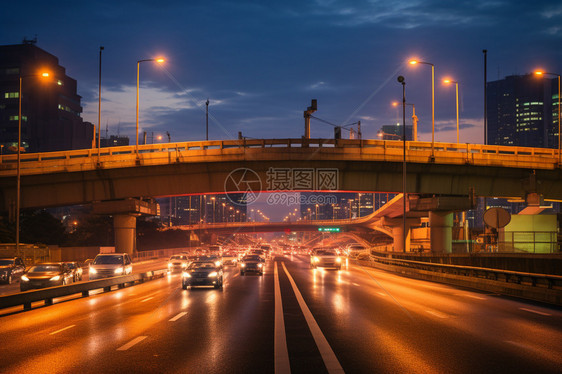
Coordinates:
column 338, row 259
column 243, row 264
column 55, row 278
column 260, row 265
column 315, row 259
column 185, row 274
column 217, row 263
column 24, row 278
column 170, row 264
column 118, row 271
column 213, row 274
column 93, row 271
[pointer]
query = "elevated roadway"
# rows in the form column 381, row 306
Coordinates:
column 81, row 177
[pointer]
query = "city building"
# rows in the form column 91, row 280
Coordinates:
column 50, row 107
column 114, row 141
column 522, row 111
column 394, row 132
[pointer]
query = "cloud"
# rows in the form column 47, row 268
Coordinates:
column 317, row 86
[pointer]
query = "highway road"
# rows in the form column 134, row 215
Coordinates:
column 292, row 319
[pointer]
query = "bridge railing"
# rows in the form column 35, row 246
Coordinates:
column 540, row 287
column 362, row 149
column 48, row 294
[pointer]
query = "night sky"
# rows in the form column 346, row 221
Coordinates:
column 260, row 63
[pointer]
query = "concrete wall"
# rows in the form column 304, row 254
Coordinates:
column 530, row 233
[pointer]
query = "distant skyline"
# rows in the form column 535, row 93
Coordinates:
column 260, row 64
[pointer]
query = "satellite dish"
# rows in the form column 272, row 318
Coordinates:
column 497, row 217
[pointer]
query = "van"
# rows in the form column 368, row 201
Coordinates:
column 107, row 265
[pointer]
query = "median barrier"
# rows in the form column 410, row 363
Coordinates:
column 48, row 294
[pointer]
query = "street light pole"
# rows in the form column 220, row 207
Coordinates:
column 540, row 73
column 403, row 82
column 413, row 62
column 159, row 60
column 207, row 120
column 447, row 81
column 18, row 167
column 99, row 108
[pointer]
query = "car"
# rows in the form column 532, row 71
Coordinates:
column 229, row 258
column 76, row 270
column 326, row 258
column 252, row 264
column 202, row 273
column 214, row 258
column 354, row 250
column 110, row 265
column 178, row 263
column 46, row 274
column 11, row 269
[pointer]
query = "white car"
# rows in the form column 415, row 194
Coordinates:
column 326, row 258
column 110, row 265
column 178, row 263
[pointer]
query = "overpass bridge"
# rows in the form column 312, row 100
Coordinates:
column 159, row 170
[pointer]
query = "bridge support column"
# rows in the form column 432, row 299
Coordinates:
column 398, row 238
column 441, row 231
column 124, row 214
column 125, row 227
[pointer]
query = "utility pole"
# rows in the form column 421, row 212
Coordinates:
column 207, row 119
column 307, row 114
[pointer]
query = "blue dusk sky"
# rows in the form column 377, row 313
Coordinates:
column 261, row 62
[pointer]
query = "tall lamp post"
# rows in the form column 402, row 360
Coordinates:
column 414, row 62
column 99, row 108
column 541, row 73
column 18, row 169
column 159, row 60
column 403, row 82
column 448, row 81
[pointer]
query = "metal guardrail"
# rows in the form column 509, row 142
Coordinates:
column 155, row 154
column 48, row 294
column 507, row 276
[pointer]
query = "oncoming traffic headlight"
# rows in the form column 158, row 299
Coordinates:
column 315, row 259
column 338, row 259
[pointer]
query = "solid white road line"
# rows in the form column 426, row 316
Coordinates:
column 437, row 314
column 471, row 296
column 535, row 311
column 328, row 355
column 177, row 317
column 148, row 298
column 282, row 363
column 131, row 343
column 66, row 328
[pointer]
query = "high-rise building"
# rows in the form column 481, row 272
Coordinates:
column 520, row 111
column 51, row 108
column 394, row 132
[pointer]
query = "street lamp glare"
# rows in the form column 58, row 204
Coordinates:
column 160, row 60
column 539, row 72
column 447, row 81
column 45, row 74
column 413, row 62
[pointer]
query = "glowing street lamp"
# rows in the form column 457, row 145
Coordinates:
column 541, row 73
column 159, row 60
column 414, row 62
column 449, row 81
column 18, row 168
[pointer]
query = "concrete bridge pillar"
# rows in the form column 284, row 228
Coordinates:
column 398, row 238
column 441, row 231
column 125, row 227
